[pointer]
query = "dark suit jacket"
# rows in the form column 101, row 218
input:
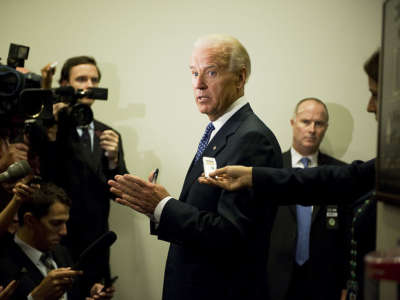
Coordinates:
column 13, row 260
column 219, row 239
column 327, row 246
column 84, row 177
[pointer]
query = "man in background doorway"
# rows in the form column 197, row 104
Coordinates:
column 307, row 246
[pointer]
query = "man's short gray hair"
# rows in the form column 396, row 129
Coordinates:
column 229, row 49
column 296, row 109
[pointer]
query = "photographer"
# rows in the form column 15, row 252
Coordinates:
column 81, row 159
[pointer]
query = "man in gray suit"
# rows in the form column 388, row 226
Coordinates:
column 308, row 242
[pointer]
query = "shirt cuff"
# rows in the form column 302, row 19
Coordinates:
column 159, row 208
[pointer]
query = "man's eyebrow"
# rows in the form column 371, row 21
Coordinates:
column 205, row 68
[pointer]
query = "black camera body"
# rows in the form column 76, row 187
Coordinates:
column 13, row 103
column 78, row 114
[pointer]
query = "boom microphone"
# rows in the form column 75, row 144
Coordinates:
column 17, row 170
column 102, row 243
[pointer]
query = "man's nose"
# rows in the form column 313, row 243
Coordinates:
column 63, row 230
column 311, row 127
column 200, row 83
column 371, row 105
column 89, row 83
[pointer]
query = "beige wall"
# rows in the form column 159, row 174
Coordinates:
column 298, row 49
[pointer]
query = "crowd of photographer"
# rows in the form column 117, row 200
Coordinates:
column 70, row 155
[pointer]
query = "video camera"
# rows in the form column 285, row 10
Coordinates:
column 22, row 101
column 78, row 114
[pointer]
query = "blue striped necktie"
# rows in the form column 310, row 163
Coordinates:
column 204, row 141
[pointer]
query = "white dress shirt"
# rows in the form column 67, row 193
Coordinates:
column 296, row 163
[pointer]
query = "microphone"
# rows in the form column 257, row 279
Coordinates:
column 17, row 170
column 102, row 243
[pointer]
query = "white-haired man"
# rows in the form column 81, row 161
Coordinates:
column 218, row 240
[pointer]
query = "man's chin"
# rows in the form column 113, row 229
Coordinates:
column 86, row 101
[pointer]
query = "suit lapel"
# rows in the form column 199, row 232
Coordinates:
column 214, row 147
column 23, row 261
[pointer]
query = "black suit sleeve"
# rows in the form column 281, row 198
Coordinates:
column 305, row 186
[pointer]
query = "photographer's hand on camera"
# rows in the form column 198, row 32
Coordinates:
column 52, row 131
column 18, row 151
column 109, row 142
column 47, row 76
column 23, row 190
column 11, row 153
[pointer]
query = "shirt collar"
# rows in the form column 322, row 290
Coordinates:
column 90, row 127
column 235, row 106
column 32, row 253
column 296, row 156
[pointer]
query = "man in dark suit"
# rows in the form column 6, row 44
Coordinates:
column 218, row 240
column 81, row 159
column 307, row 254
column 336, row 183
column 34, row 256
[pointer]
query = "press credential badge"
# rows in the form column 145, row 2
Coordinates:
column 209, row 165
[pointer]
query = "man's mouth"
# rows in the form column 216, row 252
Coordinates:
column 202, row 98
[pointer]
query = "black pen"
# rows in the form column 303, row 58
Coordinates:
column 155, row 175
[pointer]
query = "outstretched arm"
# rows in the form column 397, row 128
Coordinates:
column 230, row 178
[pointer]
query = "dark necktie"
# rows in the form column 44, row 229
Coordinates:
column 85, row 139
column 304, row 214
column 204, row 141
column 46, row 258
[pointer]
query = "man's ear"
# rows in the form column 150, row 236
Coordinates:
column 29, row 219
column 242, row 76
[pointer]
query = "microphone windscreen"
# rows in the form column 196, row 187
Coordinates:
column 19, row 169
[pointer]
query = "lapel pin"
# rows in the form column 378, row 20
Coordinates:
column 215, row 148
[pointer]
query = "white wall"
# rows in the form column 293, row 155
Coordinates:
column 298, row 49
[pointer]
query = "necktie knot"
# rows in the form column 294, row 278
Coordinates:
column 305, row 161
column 204, row 141
column 46, row 258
